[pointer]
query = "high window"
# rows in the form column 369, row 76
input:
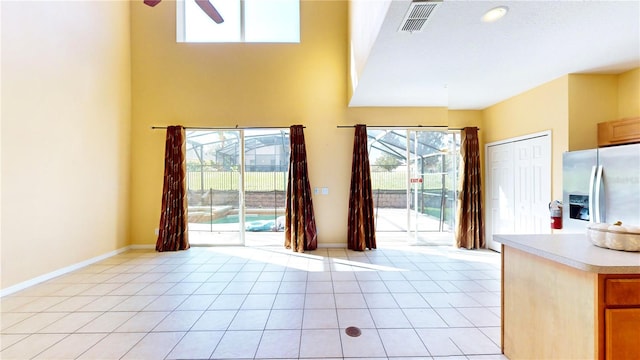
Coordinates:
column 274, row 21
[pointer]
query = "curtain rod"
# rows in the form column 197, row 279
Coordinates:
column 226, row 128
column 404, row 126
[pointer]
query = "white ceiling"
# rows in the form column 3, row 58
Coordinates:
column 458, row 61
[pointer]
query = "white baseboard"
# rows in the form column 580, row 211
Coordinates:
column 42, row 278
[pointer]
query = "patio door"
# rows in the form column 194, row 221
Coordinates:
column 266, row 154
column 236, row 183
column 414, row 177
column 433, row 164
column 214, row 184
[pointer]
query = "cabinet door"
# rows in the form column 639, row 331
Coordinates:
column 617, row 132
column 621, row 333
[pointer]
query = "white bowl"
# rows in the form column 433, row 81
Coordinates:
column 613, row 239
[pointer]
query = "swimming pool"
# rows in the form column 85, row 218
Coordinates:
column 252, row 222
column 235, row 218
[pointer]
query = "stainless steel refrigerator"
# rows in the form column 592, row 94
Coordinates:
column 601, row 186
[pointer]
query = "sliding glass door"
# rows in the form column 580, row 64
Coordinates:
column 433, row 161
column 266, row 154
column 236, row 186
column 414, row 184
column 214, row 183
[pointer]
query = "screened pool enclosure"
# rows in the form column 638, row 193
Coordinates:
column 236, row 182
column 414, row 182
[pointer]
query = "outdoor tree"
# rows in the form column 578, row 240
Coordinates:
column 387, row 162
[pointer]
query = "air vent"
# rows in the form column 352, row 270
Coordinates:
column 417, row 15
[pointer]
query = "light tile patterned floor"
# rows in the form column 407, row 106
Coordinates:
column 263, row 303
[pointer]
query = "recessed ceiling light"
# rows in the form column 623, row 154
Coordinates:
column 495, row 14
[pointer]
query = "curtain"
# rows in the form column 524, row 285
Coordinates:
column 173, row 233
column 300, row 223
column 361, row 227
column 470, row 224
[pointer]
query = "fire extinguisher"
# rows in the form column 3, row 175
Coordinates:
column 555, row 210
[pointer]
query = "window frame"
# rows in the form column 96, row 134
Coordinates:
column 182, row 34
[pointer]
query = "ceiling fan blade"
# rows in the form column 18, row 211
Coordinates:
column 210, row 10
column 152, row 3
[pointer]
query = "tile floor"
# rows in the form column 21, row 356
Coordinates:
column 263, row 303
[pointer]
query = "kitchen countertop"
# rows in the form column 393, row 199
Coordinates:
column 574, row 250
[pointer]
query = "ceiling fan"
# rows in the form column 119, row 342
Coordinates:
column 205, row 5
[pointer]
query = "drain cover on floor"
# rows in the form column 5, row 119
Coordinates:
column 353, row 331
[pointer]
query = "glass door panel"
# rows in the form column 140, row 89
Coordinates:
column 432, row 187
column 214, row 183
column 266, row 154
column 389, row 176
column 414, row 181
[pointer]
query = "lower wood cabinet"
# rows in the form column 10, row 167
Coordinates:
column 620, row 304
column 622, row 333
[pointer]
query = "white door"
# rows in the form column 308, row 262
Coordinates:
column 518, row 186
column 532, row 185
column 522, row 187
column 500, row 215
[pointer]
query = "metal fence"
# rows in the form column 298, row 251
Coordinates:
column 268, row 181
column 230, row 180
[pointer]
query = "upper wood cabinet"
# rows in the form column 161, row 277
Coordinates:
column 618, row 132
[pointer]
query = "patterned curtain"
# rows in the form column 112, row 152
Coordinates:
column 361, row 226
column 173, row 233
column 300, row 223
column 470, row 224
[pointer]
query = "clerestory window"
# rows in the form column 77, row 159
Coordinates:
column 274, row 21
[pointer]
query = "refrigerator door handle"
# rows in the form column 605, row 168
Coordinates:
column 599, row 214
column 592, row 200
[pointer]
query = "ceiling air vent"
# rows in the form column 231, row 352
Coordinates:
column 417, row 15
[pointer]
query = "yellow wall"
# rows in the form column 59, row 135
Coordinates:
column 461, row 118
column 252, row 85
column 592, row 99
column 629, row 94
column 65, row 134
column 240, row 84
column 542, row 108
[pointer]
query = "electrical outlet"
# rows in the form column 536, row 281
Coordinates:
column 156, row 231
column 325, row 191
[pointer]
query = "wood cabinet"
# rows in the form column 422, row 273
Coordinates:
column 619, row 132
column 551, row 310
column 622, row 333
column 620, row 307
